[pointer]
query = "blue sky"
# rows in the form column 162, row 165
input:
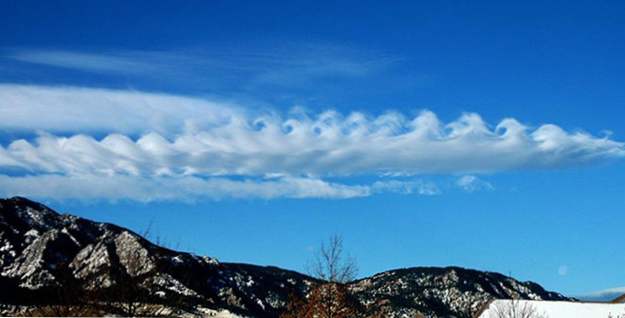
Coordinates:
column 480, row 134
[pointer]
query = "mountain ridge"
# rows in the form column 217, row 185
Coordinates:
column 39, row 246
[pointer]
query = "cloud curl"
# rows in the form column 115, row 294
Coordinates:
column 208, row 145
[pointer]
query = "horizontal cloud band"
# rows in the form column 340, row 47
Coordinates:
column 328, row 146
column 171, row 139
column 188, row 188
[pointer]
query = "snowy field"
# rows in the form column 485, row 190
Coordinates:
column 557, row 309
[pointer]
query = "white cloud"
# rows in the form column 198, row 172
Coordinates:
column 189, row 188
column 471, row 183
column 169, row 138
column 89, row 187
column 124, row 63
column 181, row 135
column 88, row 110
column 284, row 66
column 406, row 187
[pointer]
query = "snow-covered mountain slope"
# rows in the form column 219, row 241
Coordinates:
column 444, row 292
column 41, row 250
column 49, row 257
column 553, row 309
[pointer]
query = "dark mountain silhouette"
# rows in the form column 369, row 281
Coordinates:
column 47, row 258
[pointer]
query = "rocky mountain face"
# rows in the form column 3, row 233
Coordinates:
column 42, row 251
column 443, row 292
column 47, row 257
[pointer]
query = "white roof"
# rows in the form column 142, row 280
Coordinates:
column 555, row 309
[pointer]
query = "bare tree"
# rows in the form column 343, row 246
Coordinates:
column 330, row 298
column 515, row 308
column 331, row 265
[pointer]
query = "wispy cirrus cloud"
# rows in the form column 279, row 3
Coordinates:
column 419, row 187
column 87, row 187
column 282, row 66
column 208, row 145
column 115, row 63
column 470, row 183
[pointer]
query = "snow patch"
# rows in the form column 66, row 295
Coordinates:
column 559, row 309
